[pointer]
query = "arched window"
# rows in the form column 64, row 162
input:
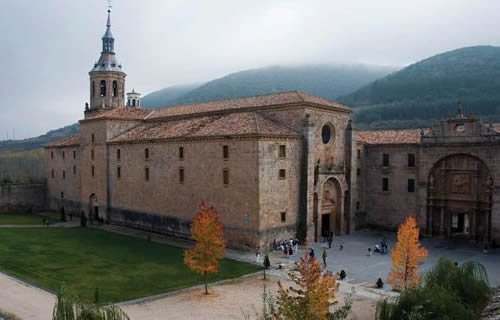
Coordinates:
column 93, row 89
column 103, row 88
column 115, row 88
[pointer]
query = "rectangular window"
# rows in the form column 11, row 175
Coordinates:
column 282, row 153
column 283, row 216
column 93, row 171
column 64, row 174
column 358, row 171
column 181, row 153
column 225, row 176
column 52, row 154
column 385, row 160
column 93, row 138
column 282, row 174
column 118, row 154
column 92, row 154
column 146, row 153
column 52, row 174
column 357, row 205
column 118, row 172
column 74, row 154
column 411, row 185
column 225, row 152
column 74, row 169
column 146, row 174
column 181, row 175
column 359, row 154
column 385, row 184
column 411, row 160
column 63, row 154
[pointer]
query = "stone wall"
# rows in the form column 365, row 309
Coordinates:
column 22, row 197
column 388, row 208
column 203, row 164
column 63, row 179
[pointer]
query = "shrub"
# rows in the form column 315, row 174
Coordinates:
column 448, row 292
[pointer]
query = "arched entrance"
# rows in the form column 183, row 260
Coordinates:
column 459, row 198
column 93, row 207
column 331, row 215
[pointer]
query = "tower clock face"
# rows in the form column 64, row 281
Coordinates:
column 460, row 128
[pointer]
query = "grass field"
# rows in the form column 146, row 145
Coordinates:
column 122, row 267
column 24, row 218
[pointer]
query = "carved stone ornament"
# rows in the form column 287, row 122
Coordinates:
column 460, row 184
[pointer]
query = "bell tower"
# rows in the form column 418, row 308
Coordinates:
column 107, row 79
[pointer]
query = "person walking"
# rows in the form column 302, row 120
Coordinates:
column 311, row 252
column 341, row 247
column 257, row 255
column 330, row 240
column 324, row 256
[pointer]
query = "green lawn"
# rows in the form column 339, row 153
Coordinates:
column 122, row 267
column 24, row 218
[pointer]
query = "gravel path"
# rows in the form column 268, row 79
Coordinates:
column 25, row 301
column 226, row 301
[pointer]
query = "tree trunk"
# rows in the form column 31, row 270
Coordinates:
column 206, row 285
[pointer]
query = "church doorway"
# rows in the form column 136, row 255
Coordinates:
column 459, row 199
column 325, row 225
column 331, row 205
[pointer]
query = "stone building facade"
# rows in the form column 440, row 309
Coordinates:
column 447, row 176
column 275, row 167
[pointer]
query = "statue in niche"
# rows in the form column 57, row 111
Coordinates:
column 431, row 181
column 489, row 183
column 316, row 172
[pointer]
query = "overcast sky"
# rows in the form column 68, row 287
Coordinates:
column 49, row 46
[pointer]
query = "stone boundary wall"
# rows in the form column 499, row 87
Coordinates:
column 28, row 197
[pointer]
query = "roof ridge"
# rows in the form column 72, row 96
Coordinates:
column 227, row 99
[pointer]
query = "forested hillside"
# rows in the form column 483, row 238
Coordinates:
column 327, row 81
column 430, row 89
column 167, row 96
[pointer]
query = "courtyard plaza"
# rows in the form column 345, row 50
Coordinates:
column 365, row 270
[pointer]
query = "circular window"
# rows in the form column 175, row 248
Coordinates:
column 326, row 134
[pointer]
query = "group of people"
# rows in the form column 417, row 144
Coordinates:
column 287, row 246
column 382, row 248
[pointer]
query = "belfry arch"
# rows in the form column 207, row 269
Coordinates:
column 459, row 199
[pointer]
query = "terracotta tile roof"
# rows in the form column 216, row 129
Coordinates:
column 247, row 102
column 232, row 124
column 390, row 136
column 65, row 142
column 120, row 114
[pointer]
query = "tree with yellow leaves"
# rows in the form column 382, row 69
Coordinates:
column 206, row 230
column 313, row 298
column 406, row 256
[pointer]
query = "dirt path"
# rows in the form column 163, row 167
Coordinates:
column 226, row 301
column 24, row 301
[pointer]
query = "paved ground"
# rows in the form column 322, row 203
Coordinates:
column 25, row 301
column 361, row 268
column 228, row 301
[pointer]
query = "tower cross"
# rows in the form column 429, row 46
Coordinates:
column 109, row 4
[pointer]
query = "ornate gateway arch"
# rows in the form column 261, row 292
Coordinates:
column 459, row 198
